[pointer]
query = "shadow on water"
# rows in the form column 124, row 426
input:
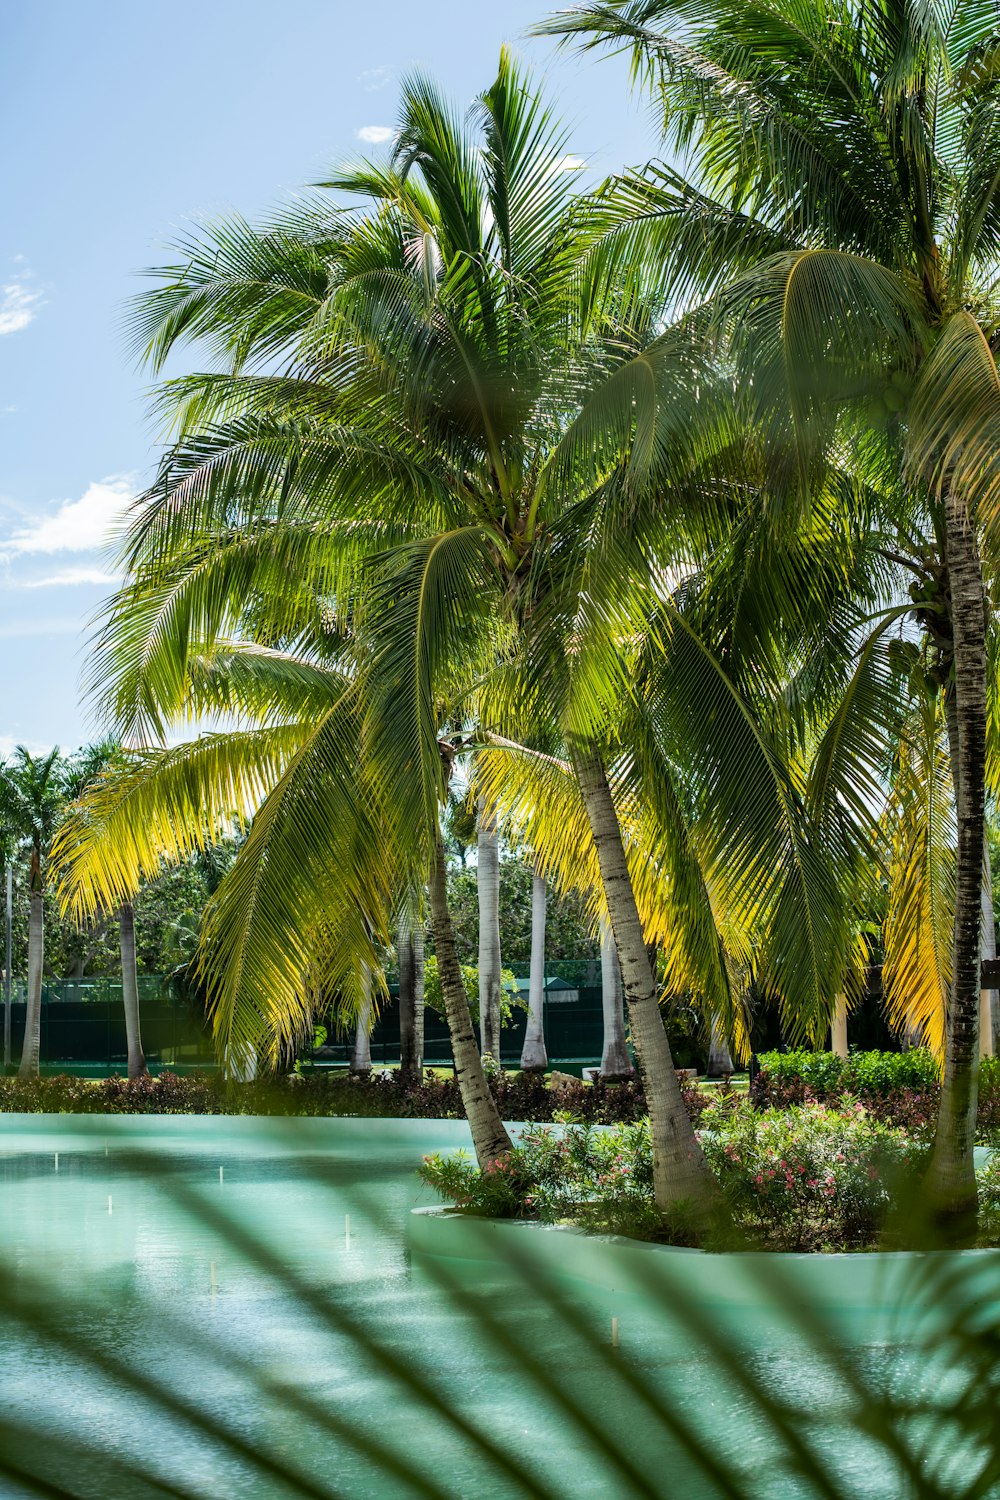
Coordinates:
column 197, row 1311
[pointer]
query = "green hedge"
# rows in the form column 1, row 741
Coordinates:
column 875, row 1073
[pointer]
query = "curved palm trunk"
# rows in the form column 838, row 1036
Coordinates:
column 534, row 1058
column 720, row 1060
column 681, row 1174
column 615, row 1061
column 951, row 1179
column 488, row 890
column 130, row 993
column 411, row 1002
column 489, row 1137
column 361, row 1055
column 33, row 1014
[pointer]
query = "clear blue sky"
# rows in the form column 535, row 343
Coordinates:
column 123, row 121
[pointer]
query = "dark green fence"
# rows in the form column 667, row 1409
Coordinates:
column 83, row 1023
column 573, row 1020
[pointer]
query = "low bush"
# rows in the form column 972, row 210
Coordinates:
column 898, row 1088
column 524, row 1096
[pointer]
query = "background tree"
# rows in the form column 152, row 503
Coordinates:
column 32, row 794
column 836, row 225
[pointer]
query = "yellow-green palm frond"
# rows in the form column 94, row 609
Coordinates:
column 537, row 801
column 920, row 828
column 954, row 419
column 297, row 922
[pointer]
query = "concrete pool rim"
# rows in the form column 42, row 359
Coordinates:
column 844, row 1284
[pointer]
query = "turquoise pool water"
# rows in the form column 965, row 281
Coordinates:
column 228, row 1308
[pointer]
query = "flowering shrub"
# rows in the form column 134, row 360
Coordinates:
column 808, row 1178
column 809, row 1175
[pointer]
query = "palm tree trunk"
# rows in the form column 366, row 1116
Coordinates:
column 988, row 999
column 951, row 1179
column 488, row 890
column 33, row 1013
column 130, row 993
column 720, row 1060
column 489, row 1138
column 681, row 1175
column 838, row 1028
column 361, row 1055
column 615, row 1061
column 411, row 1002
column 534, row 1058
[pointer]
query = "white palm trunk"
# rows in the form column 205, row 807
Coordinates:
column 361, row 1056
column 411, row 1000
column 130, row 993
column 615, row 1061
column 534, row 1058
column 720, row 1060
column 838, row 1028
column 488, row 890
column 241, row 1063
column 989, row 1001
column 33, row 1015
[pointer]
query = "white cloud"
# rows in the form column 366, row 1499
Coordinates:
column 374, row 78
column 567, row 164
column 375, row 135
column 71, row 578
column 78, row 525
column 17, row 306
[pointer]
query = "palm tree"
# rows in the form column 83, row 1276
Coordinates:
column 84, row 768
column 534, row 1058
column 361, row 1053
column 836, row 233
column 31, row 799
column 424, row 442
column 410, row 951
column 615, row 1061
column 488, row 892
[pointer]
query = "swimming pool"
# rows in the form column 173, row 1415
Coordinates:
column 227, row 1307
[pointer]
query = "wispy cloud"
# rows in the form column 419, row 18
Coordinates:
column 78, row 525
column 568, row 163
column 18, row 305
column 71, row 578
column 48, row 625
column 373, row 79
column 376, row 135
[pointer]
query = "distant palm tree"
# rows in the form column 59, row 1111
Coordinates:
column 82, row 772
column 32, row 795
column 534, row 1058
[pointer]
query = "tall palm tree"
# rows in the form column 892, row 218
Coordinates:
column 488, row 894
column 534, row 1057
column 421, row 427
column 615, row 1061
column 32, row 795
column 836, row 229
column 85, row 768
column 410, row 951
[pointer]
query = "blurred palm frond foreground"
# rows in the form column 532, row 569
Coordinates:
column 199, row 1309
